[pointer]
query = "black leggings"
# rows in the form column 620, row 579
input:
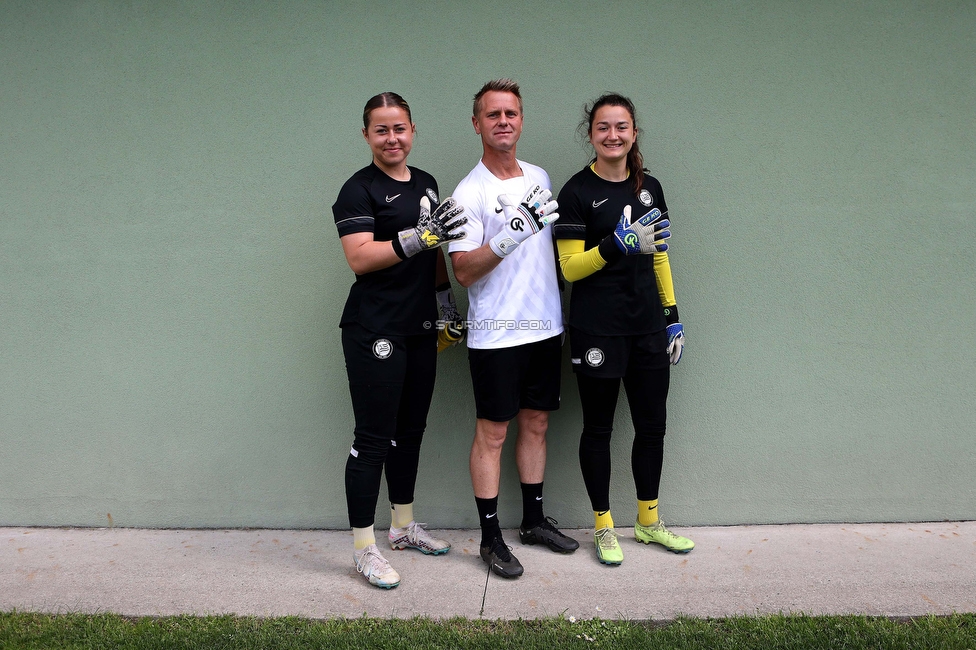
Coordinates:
column 647, row 393
column 390, row 400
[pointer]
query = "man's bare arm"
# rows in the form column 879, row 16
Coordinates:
column 471, row 266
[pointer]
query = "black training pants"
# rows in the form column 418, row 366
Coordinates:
column 647, row 394
column 391, row 381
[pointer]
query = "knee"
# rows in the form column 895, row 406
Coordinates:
column 595, row 440
column 533, row 424
column 369, row 451
column 591, row 432
column 649, row 437
column 407, row 444
column 491, row 435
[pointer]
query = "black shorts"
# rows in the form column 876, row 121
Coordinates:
column 382, row 360
column 609, row 357
column 507, row 380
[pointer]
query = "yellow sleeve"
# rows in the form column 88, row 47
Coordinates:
column 577, row 263
column 662, row 274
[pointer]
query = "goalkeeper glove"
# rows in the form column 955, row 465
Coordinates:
column 450, row 329
column 644, row 236
column 676, row 334
column 432, row 229
column 676, row 342
column 531, row 215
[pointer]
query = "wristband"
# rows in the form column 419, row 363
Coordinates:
column 671, row 315
column 609, row 250
column 398, row 249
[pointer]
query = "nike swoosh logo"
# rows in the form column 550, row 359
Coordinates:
column 498, row 210
column 538, row 498
column 389, row 199
column 491, row 515
column 596, row 204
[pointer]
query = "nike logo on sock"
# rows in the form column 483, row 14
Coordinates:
column 603, row 513
column 597, row 204
column 389, row 199
column 491, row 515
column 538, row 498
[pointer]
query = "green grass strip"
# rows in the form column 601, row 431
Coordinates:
column 107, row 631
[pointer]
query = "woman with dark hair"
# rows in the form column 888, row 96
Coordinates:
column 623, row 321
column 390, row 225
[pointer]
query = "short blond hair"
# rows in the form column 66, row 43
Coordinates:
column 498, row 85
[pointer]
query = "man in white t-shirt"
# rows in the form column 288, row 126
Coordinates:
column 507, row 263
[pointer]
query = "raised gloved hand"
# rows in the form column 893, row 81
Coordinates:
column 644, row 236
column 450, row 328
column 532, row 214
column 433, row 229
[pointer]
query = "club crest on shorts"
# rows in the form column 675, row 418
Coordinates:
column 646, row 198
column 432, row 195
column 594, row 357
column 382, row 348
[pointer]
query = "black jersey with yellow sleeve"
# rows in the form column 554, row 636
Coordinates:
column 621, row 298
column 397, row 300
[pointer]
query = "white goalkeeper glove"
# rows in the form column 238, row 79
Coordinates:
column 532, row 214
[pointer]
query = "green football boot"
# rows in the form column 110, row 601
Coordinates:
column 658, row 534
column 608, row 549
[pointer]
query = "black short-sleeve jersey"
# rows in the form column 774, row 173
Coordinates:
column 399, row 299
column 622, row 297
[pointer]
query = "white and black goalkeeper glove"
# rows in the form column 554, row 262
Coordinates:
column 533, row 213
column 450, row 329
column 433, row 229
column 642, row 237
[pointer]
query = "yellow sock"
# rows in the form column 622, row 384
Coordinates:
column 401, row 514
column 647, row 512
column 363, row 537
column 603, row 519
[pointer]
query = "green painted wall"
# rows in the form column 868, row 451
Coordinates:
column 171, row 279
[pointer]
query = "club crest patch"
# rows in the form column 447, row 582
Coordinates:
column 646, row 198
column 432, row 195
column 382, row 349
column 594, row 357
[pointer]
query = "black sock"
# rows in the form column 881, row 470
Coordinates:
column 532, row 514
column 488, row 516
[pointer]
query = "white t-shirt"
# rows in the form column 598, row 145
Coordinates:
column 518, row 301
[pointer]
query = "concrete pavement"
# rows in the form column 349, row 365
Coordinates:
column 874, row 569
